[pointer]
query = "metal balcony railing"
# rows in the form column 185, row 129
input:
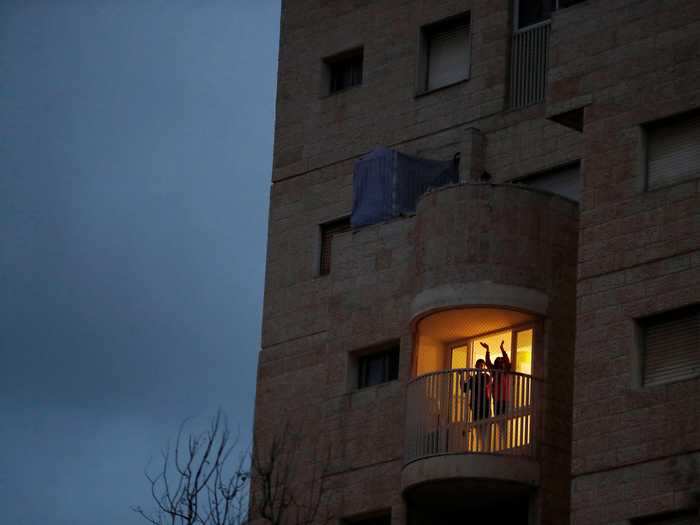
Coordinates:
column 472, row 411
column 528, row 65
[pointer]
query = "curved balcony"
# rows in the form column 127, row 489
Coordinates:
column 472, row 424
column 472, row 411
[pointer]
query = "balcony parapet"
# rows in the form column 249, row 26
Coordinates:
column 471, row 411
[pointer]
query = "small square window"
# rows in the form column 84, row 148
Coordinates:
column 378, row 367
column 328, row 231
column 673, row 150
column 445, row 53
column 343, row 71
column 670, row 345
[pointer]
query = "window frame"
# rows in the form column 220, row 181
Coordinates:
column 516, row 14
column 647, row 128
column 424, row 34
column 533, row 325
column 390, row 350
column 641, row 350
column 332, row 62
column 326, row 232
column 526, row 181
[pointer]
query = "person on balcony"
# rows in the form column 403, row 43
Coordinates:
column 500, row 369
column 479, row 388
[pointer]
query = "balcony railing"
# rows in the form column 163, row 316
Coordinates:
column 528, row 65
column 472, row 411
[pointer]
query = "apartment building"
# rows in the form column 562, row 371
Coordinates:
column 457, row 176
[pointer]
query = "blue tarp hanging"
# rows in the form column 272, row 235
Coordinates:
column 387, row 184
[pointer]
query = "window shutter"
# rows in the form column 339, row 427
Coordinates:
column 565, row 181
column 673, row 153
column 448, row 55
column 672, row 346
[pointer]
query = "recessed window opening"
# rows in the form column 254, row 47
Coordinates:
column 670, row 346
column 445, row 53
column 378, row 366
column 673, row 150
column 563, row 180
column 328, row 231
column 531, row 12
column 344, row 70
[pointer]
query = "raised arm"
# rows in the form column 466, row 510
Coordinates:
column 505, row 357
column 489, row 364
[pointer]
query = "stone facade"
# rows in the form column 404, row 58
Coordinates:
column 611, row 450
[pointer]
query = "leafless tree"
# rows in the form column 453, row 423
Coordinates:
column 203, row 481
column 275, row 470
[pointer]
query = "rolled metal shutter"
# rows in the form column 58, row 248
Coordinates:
column 672, row 346
column 448, row 56
column 565, row 181
column 673, row 151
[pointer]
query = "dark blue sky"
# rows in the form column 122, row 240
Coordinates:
column 135, row 158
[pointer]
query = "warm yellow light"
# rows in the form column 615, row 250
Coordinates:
column 523, row 359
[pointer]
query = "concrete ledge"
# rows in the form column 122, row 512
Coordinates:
column 485, row 293
column 508, row 469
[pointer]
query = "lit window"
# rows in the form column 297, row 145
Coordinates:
column 343, row 71
column 378, row 367
column 671, row 346
column 445, row 53
column 673, row 150
column 517, row 344
column 328, row 231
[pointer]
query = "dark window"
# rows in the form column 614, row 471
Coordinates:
column 376, row 518
column 344, row 70
column 530, row 12
column 445, row 53
column 671, row 345
column 673, row 150
column 328, row 231
column 378, row 367
column 564, row 180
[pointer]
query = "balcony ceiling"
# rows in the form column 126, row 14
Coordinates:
column 455, row 324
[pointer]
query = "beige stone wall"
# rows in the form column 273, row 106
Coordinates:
column 628, row 62
column 634, row 62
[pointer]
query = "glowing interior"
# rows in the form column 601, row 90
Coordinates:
column 452, row 339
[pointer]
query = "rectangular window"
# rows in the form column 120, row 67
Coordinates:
column 564, row 181
column 328, row 231
column 378, row 367
column 531, row 12
column 673, row 150
column 517, row 344
column 670, row 345
column 445, row 53
column 343, row 71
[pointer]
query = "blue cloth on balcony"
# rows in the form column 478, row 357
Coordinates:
column 373, row 187
column 387, row 184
